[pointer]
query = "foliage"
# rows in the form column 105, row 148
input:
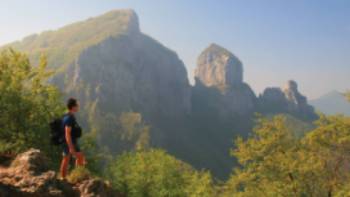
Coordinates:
column 127, row 132
column 27, row 104
column 297, row 126
column 96, row 156
column 78, row 174
column 155, row 173
column 276, row 163
column 133, row 129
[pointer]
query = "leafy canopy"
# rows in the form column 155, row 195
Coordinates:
column 274, row 162
column 155, row 173
column 27, row 103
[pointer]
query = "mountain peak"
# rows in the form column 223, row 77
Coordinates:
column 217, row 66
column 128, row 16
column 217, row 49
column 291, row 85
column 119, row 11
column 66, row 43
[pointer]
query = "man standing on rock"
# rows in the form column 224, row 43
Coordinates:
column 72, row 132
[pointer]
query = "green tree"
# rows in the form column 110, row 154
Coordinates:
column 155, row 173
column 134, row 129
column 327, row 152
column 265, row 158
column 276, row 163
column 27, row 104
column 126, row 132
column 97, row 157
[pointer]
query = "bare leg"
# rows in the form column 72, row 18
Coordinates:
column 80, row 159
column 64, row 166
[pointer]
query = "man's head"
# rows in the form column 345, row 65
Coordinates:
column 72, row 105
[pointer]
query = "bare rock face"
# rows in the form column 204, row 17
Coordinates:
column 218, row 67
column 219, row 70
column 96, row 187
column 133, row 72
column 293, row 96
column 286, row 100
column 297, row 103
column 28, row 176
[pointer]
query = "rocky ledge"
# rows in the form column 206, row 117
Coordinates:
column 29, row 176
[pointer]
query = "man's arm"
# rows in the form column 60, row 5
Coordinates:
column 68, row 135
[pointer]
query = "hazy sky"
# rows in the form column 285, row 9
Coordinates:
column 304, row 40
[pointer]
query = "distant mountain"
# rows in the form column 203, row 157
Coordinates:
column 333, row 102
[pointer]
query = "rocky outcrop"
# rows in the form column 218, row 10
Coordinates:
column 219, row 70
column 297, row 103
column 286, row 100
column 29, row 176
column 218, row 67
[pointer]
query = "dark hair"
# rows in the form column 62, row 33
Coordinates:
column 72, row 102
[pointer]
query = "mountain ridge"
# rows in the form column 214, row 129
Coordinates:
column 77, row 36
column 131, row 72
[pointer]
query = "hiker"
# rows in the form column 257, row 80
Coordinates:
column 71, row 132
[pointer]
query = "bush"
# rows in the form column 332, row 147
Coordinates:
column 27, row 104
column 274, row 162
column 156, row 173
column 78, row 174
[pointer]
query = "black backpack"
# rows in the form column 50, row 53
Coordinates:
column 57, row 134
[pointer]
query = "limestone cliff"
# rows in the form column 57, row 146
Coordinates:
column 218, row 67
column 219, row 70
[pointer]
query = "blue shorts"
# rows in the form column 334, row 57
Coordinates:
column 66, row 148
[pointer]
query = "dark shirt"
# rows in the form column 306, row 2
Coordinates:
column 69, row 120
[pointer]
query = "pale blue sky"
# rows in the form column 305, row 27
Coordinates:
column 305, row 40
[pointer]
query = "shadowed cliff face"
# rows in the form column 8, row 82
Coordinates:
column 217, row 68
column 133, row 73
column 286, row 100
column 222, row 105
